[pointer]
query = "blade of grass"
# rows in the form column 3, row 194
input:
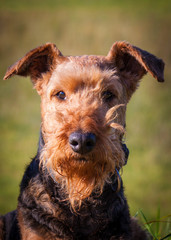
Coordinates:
column 169, row 235
column 163, row 231
column 148, row 226
column 136, row 214
column 158, row 222
column 168, row 226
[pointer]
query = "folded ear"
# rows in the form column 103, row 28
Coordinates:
column 36, row 62
column 132, row 63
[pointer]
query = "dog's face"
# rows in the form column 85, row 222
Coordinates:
column 83, row 105
column 83, row 115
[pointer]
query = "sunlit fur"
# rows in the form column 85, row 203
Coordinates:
column 63, row 194
column 83, row 110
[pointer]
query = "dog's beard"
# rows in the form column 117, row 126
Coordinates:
column 80, row 176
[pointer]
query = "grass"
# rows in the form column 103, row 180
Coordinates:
column 160, row 228
column 88, row 27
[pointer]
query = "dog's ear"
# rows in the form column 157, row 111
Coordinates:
column 132, row 63
column 38, row 61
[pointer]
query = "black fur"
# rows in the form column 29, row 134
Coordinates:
column 99, row 218
column 10, row 229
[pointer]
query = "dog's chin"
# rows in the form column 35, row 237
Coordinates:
column 80, row 175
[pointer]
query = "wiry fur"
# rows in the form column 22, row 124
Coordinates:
column 67, row 194
column 81, row 178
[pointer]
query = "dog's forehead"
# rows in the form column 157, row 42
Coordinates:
column 86, row 60
column 89, row 71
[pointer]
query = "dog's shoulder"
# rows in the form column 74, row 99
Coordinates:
column 9, row 229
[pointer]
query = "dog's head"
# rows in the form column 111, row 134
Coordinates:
column 83, row 105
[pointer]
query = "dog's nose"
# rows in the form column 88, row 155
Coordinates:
column 82, row 142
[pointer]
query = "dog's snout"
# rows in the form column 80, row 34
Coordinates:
column 82, row 142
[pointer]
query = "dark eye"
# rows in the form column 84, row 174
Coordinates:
column 61, row 95
column 108, row 96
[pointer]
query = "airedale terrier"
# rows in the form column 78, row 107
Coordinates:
column 72, row 189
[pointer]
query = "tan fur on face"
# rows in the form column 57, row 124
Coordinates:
column 83, row 110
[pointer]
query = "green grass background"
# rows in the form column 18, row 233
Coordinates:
column 89, row 27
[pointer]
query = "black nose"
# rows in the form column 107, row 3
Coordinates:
column 82, row 142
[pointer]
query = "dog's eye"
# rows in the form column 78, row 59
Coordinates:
column 61, row 95
column 108, row 96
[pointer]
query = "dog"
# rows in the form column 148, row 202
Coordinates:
column 72, row 189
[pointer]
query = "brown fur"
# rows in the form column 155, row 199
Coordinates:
column 80, row 178
column 84, row 80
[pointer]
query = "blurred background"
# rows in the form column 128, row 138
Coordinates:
column 89, row 27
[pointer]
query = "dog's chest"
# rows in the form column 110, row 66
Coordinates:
column 94, row 215
column 89, row 220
